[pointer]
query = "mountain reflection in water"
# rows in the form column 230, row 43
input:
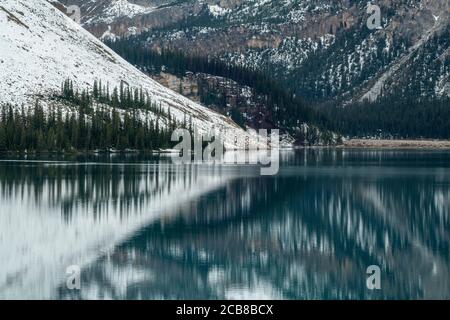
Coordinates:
column 151, row 230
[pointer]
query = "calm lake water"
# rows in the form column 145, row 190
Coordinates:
column 143, row 228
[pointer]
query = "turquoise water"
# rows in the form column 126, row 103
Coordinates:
column 143, row 228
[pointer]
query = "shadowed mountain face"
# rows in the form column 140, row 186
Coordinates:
column 310, row 232
column 322, row 50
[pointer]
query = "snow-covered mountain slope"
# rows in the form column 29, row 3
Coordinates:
column 108, row 11
column 40, row 47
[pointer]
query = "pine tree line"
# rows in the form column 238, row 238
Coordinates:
column 392, row 118
column 33, row 130
column 96, row 125
column 122, row 97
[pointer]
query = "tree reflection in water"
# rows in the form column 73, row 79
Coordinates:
column 309, row 233
column 225, row 232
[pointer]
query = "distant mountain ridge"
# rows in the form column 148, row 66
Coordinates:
column 321, row 50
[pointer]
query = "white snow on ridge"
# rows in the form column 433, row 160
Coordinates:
column 40, row 47
column 217, row 10
column 122, row 8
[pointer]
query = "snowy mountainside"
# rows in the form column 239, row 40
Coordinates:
column 320, row 49
column 122, row 8
column 40, row 47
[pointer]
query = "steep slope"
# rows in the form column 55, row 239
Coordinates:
column 320, row 49
column 40, row 47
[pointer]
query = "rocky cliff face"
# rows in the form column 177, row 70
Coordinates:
column 323, row 50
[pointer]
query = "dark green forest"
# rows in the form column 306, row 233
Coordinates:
column 392, row 118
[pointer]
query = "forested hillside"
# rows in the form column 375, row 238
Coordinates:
column 40, row 48
column 102, row 121
column 391, row 116
column 320, row 51
column 282, row 109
